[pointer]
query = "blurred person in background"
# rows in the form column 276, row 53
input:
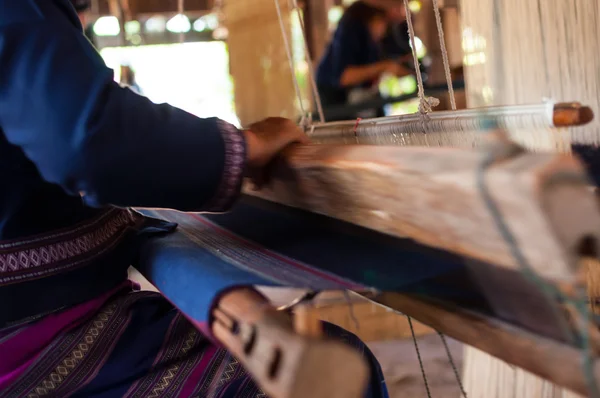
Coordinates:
column 355, row 60
column 83, row 8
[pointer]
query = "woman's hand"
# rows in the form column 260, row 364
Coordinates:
column 265, row 140
column 395, row 68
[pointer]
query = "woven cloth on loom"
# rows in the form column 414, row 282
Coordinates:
column 260, row 243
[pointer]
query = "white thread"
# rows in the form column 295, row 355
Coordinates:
column 445, row 128
column 440, row 31
column 288, row 50
column 520, row 51
column 311, row 72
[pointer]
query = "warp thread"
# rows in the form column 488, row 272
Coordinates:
column 520, row 51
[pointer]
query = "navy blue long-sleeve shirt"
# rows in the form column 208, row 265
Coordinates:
column 351, row 45
column 73, row 142
column 66, row 127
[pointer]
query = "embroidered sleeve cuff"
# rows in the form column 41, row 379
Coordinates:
column 233, row 170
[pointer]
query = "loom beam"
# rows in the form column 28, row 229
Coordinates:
column 462, row 127
column 431, row 195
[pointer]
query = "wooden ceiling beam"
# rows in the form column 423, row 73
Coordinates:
column 136, row 8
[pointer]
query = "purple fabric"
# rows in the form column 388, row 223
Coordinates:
column 21, row 345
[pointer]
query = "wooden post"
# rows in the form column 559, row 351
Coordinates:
column 306, row 322
column 263, row 85
column 317, row 27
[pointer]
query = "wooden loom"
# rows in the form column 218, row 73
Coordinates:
column 431, row 195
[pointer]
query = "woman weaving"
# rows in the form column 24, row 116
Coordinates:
column 75, row 151
column 354, row 62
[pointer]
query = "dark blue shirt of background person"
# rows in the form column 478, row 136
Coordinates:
column 354, row 57
column 396, row 42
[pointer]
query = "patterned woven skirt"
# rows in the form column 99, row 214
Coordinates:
column 128, row 343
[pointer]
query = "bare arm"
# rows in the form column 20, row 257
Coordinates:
column 354, row 75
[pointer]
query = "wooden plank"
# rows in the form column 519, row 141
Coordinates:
column 317, row 26
column 368, row 320
column 554, row 361
column 153, row 7
column 360, row 316
column 263, row 84
column 432, row 195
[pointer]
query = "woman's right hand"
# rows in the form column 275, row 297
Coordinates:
column 395, row 68
column 265, row 140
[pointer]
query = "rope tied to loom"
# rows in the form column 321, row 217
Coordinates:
column 426, row 104
column 440, row 31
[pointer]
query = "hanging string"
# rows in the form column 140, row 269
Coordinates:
column 452, row 364
column 414, row 337
column 311, row 71
column 425, row 104
column 440, row 31
column 288, row 51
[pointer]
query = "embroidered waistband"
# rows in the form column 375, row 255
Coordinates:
column 57, row 251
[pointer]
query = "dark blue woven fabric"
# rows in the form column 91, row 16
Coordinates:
column 264, row 244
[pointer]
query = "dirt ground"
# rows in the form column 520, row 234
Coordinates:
column 400, row 365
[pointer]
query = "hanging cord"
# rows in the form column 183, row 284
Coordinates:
column 414, row 337
column 288, row 51
column 311, row 71
column 453, row 364
column 440, row 31
column 425, row 103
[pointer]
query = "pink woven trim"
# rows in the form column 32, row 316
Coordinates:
column 69, row 244
column 235, row 158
